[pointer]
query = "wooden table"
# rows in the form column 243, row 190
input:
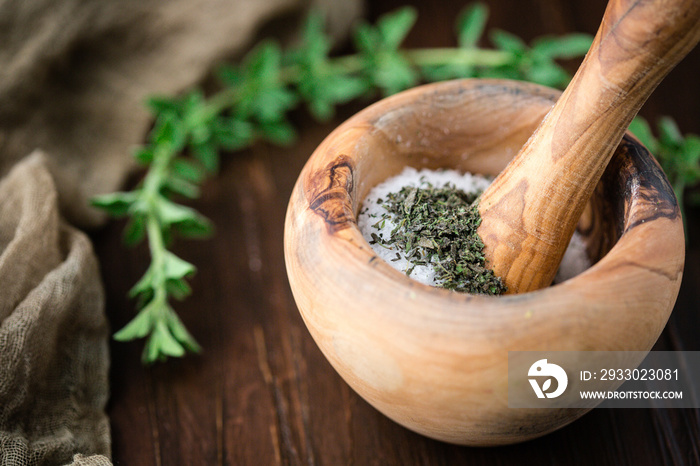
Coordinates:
column 262, row 393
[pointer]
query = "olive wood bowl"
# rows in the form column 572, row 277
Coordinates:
column 434, row 360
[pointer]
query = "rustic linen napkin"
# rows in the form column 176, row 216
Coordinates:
column 53, row 332
column 73, row 78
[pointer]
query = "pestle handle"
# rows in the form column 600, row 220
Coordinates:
column 530, row 211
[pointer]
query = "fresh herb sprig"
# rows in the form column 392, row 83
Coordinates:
column 256, row 95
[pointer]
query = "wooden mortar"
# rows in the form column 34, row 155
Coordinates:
column 434, row 360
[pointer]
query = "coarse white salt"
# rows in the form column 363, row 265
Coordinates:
column 369, row 221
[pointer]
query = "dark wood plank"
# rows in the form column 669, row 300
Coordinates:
column 262, row 392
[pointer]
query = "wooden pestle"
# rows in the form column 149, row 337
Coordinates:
column 530, row 212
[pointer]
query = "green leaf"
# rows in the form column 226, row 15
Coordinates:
column 319, row 83
column 669, row 134
column 536, row 63
column 182, row 186
column 192, row 105
column 140, row 326
column 229, row 75
column 196, row 118
column 115, row 204
column 170, row 212
column 164, row 104
column 181, row 334
column 315, row 45
column 232, row 133
column 445, row 72
column 691, row 148
column 342, row 89
column 135, row 230
column 208, row 156
column 199, row 227
column 568, row 46
column 178, row 289
column 187, row 221
column 323, row 97
column 501, row 72
column 169, row 132
column 548, row 74
column 395, row 74
column 176, row 268
column 144, row 285
column 384, row 65
column 395, row 26
column 641, row 129
column 161, row 344
column 690, row 156
column 366, row 38
column 273, row 103
column 471, row 23
column 144, row 155
column 280, row 132
column 199, row 133
column 263, row 95
column 188, row 170
column 264, row 61
column 462, row 66
column 507, row 42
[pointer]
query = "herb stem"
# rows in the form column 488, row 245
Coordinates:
column 354, row 64
column 156, row 244
column 222, row 100
column 153, row 182
column 461, row 56
column 152, row 187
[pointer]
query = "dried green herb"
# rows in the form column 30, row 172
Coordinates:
column 437, row 226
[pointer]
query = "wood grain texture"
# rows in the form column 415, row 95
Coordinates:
column 531, row 210
column 233, row 417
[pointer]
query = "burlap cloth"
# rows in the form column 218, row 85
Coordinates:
column 73, row 78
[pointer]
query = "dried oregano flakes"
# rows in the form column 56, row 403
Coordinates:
column 428, row 230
